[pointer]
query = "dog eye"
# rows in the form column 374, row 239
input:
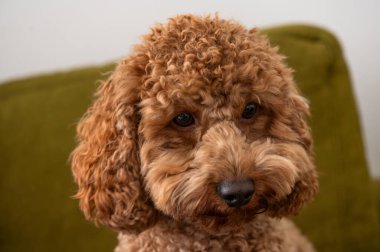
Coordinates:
column 249, row 111
column 184, row 120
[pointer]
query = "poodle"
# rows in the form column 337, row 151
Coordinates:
column 198, row 141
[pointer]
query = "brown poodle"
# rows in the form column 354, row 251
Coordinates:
column 198, row 141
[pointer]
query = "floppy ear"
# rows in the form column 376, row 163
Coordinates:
column 105, row 164
column 306, row 185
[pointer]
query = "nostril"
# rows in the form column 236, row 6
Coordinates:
column 236, row 192
column 248, row 196
column 230, row 199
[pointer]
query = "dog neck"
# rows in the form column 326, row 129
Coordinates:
column 178, row 233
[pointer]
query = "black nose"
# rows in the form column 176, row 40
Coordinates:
column 236, row 192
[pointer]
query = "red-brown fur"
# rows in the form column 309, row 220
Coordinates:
column 140, row 174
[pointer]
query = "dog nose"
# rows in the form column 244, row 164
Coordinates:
column 236, row 192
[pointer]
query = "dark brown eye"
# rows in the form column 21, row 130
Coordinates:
column 183, row 120
column 249, row 111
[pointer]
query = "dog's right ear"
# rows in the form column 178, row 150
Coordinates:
column 106, row 164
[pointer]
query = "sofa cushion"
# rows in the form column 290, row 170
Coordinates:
column 37, row 125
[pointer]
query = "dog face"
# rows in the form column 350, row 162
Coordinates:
column 204, row 124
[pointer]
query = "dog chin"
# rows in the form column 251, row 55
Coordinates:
column 217, row 222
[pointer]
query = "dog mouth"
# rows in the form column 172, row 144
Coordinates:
column 214, row 214
column 222, row 218
column 239, row 213
column 215, row 221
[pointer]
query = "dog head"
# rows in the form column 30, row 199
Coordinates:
column 202, row 123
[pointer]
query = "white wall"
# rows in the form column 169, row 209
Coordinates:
column 41, row 36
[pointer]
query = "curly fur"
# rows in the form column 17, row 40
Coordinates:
column 154, row 182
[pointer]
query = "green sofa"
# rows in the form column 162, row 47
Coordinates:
column 37, row 128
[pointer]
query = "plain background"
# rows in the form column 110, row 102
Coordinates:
column 41, row 36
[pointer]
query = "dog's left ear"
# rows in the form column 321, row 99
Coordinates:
column 106, row 163
column 306, row 185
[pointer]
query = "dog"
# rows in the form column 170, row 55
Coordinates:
column 198, row 141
